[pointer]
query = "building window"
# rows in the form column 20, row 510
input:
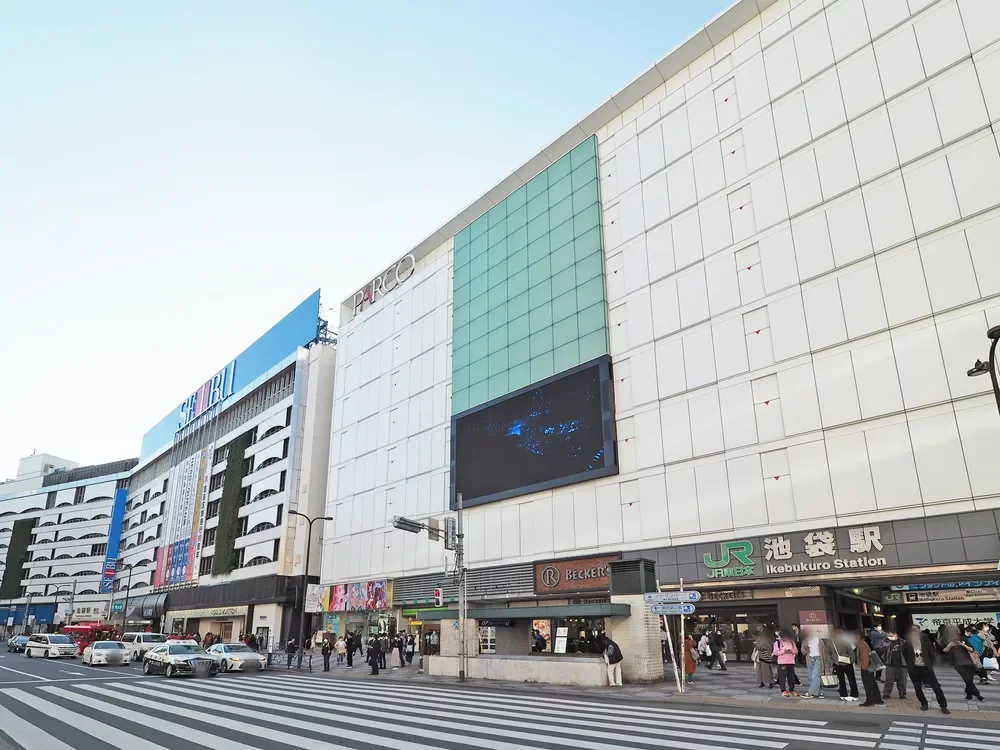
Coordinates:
column 98, row 549
column 284, row 449
column 217, row 480
column 288, row 416
column 209, row 537
column 50, row 501
column 220, row 455
column 121, row 484
column 277, row 548
column 277, row 517
column 281, row 483
column 487, row 639
column 145, row 496
column 212, row 509
column 78, row 495
column 206, row 565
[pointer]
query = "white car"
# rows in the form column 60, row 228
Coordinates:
column 237, row 657
column 173, row 659
column 139, row 643
column 51, row 646
column 106, row 653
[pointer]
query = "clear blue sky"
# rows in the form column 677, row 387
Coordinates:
column 174, row 177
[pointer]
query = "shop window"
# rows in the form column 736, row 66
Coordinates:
column 488, row 639
column 567, row 636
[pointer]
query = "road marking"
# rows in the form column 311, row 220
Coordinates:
column 81, row 674
column 26, row 734
column 73, row 679
column 26, row 674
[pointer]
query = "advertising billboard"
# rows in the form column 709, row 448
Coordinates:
column 114, row 542
column 551, row 434
column 180, row 553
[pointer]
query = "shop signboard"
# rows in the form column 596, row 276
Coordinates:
column 358, row 597
column 951, row 585
column 672, row 609
column 664, row 597
column 942, row 596
column 118, row 606
column 574, row 575
column 933, row 620
column 736, row 595
column 316, row 600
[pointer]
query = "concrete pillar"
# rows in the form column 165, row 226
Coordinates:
column 638, row 636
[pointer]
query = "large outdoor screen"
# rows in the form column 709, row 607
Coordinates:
column 556, row 432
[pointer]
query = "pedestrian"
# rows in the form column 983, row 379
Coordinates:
column 763, row 659
column 538, row 641
column 785, row 652
column 705, row 649
column 435, row 639
column 797, row 637
column 252, row 641
column 960, row 654
column 990, row 651
column 869, row 663
column 401, row 647
column 663, row 642
column 690, row 658
column 876, row 639
column 842, row 654
column 341, row 648
column 349, row 644
column 719, row 653
column 290, row 649
column 918, row 653
column 613, row 658
column 375, row 654
column 817, row 664
column 326, row 650
column 395, row 654
column 738, row 645
column 411, row 647
column 197, row 638
column 895, row 665
column 975, row 640
column 384, row 653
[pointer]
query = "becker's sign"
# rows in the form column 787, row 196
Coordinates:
column 573, row 575
column 384, row 283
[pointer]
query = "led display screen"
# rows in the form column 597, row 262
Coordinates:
column 556, row 432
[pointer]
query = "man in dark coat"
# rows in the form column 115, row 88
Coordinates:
column 350, row 650
column 375, row 654
column 919, row 655
column 326, row 655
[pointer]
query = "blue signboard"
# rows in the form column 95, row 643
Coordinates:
column 296, row 329
column 114, row 540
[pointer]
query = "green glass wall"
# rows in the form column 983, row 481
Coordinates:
column 529, row 284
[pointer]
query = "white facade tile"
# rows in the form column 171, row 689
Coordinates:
column 859, row 82
column 941, row 37
column 947, row 264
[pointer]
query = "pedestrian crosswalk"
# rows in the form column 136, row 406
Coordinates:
column 273, row 711
column 913, row 735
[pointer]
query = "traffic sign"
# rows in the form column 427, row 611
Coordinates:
column 664, row 597
column 672, row 609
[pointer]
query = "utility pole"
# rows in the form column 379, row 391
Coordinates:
column 305, row 578
column 462, row 598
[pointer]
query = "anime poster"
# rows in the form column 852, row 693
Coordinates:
column 376, row 598
column 338, row 598
column 357, row 595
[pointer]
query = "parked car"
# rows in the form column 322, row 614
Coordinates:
column 16, row 644
column 237, row 657
column 139, row 643
column 106, row 653
column 174, row 659
column 51, row 646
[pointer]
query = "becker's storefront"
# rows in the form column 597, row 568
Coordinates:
column 892, row 573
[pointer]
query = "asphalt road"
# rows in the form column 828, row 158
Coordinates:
column 64, row 705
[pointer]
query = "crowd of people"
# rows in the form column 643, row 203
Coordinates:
column 880, row 656
column 384, row 651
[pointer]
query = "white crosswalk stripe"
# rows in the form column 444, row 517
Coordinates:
column 277, row 710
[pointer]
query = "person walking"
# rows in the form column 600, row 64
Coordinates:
column 290, row 649
column 375, row 654
column 326, row 650
column 990, row 650
column 663, row 641
column 785, row 652
column 763, row 659
column 401, row 647
column 842, row 654
column 252, row 641
column 705, row 649
column 384, row 654
column 690, row 658
column 800, row 658
column 974, row 639
column 613, row 657
column 870, row 663
column 341, row 648
column 918, row 654
column 719, row 649
column 960, row 654
column 876, row 639
column 411, row 646
column 350, row 647
column 738, row 645
column 895, row 665
column 814, row 651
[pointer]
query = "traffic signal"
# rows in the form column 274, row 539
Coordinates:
column 438, row 598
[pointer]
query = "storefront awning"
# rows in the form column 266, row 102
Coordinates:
column 148, row 606
column 556, row 612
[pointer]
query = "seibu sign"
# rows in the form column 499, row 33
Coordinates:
column 572, row 575
column 385, row 282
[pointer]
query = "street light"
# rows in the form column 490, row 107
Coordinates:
column 60, row 591
column 990, row 365
column 305, row 576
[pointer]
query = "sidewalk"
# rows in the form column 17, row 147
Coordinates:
column 736, row 686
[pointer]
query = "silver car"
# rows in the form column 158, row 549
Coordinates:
column 237, row 657
column 106, row 653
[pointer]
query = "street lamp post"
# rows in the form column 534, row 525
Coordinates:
column 990, row 365
column 128, row 590
column 305, row 577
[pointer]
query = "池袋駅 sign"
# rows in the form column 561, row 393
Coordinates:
column 571, row 575
column 215, row 390
column 385, row 282
column 801, row 553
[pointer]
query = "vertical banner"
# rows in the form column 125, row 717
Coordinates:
column 181, row 550
column 114, row 540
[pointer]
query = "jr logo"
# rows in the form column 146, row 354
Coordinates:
column 726, row 567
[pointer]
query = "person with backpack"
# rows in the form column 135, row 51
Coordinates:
column 895, row 665
column 870, row 663
column 613, row 657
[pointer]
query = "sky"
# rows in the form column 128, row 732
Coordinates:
column 175, row 177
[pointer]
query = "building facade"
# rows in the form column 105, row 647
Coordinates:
column 55, row 521
column 212, row 539
column 721, row 325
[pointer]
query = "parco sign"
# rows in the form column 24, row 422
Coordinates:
column 384, row 283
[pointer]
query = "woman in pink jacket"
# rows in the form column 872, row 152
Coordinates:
column 784, row 652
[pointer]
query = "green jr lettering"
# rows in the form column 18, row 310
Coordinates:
column 740, row 550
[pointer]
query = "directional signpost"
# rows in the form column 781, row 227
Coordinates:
column 667, row 597
column 672, row 609
column 674, row 603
